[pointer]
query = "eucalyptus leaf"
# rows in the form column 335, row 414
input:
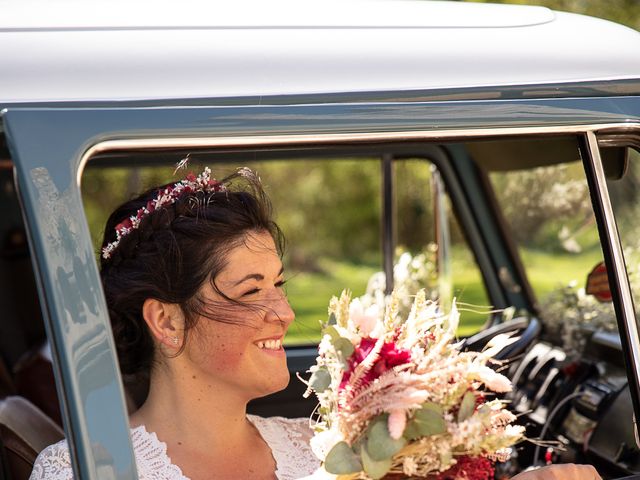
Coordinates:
column 484, row 409
column 342, row 460
column 432, row 406
column 380, row 444
column 343, row 346
column 412, row 431
column 332, row 332
column 375, row 468
column 320, row 380
column 467, row 406
column 428, row 421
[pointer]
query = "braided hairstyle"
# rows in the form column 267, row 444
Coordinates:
column 175, row 249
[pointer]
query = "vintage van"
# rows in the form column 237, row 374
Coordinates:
column 519, row 121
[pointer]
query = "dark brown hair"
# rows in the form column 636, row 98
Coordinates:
column 175, row 250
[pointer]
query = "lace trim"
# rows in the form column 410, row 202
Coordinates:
column 53, row 463
column 288, row 439
column 152, row 459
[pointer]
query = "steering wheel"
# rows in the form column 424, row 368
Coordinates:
column 527, row 329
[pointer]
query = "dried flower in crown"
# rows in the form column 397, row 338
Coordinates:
column 168, row 196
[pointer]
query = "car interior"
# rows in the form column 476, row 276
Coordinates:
column 511, row 236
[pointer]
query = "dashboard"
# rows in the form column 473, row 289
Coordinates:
column 579, row 408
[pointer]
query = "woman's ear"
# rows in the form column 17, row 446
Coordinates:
column 165, row 322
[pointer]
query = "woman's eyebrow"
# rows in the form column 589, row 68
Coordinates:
column 256, row 276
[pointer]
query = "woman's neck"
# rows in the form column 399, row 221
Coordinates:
column 183, row 409
column 205, row 428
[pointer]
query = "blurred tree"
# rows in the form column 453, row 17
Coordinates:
column 326, row 208
column 626, row 12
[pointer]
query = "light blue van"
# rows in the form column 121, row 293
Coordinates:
column 524, row 120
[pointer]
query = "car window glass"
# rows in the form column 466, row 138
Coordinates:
column 625, row 200
column 548, row 214
column 328, row 209
column 416, row 252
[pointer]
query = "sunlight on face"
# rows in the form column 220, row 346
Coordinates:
column 245, row 354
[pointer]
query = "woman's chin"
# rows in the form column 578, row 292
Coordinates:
column 274, row 384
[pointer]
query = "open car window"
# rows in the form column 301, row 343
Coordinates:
column 330, row 210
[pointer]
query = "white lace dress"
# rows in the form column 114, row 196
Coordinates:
column 287, row 438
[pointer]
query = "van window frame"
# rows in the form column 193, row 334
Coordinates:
column 79, row 134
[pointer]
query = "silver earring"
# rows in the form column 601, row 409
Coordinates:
column 175, row 340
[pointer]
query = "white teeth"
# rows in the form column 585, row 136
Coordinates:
column 270, row 344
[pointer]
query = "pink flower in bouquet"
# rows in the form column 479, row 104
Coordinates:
column 397, row 422
column 364, row 319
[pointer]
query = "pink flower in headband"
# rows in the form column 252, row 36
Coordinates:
column 167, row 196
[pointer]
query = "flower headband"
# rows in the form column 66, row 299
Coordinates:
column 167, row 196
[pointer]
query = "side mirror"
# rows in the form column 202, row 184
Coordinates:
column 615, row 161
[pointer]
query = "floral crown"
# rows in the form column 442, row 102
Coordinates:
column 168, row 196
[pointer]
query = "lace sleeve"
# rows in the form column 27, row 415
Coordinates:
column 53, row 463
column 288, row 439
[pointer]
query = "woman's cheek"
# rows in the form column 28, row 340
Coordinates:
column 226, row 354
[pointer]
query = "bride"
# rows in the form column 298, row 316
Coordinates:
column 194, row 284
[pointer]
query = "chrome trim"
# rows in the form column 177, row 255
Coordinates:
column 628, row 319
column 442, row 240
column 388, row 231
column 320, row 139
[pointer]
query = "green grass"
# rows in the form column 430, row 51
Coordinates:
column 469, row 291
column 549, row 272
column 309, row 293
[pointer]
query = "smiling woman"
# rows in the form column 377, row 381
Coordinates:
column 193, row 279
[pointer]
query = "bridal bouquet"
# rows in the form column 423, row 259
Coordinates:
column 396, row 396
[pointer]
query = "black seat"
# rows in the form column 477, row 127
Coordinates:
column 33, row 380
column 24, row 432
column 7, row 386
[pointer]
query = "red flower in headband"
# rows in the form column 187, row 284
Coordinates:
column 167, row 196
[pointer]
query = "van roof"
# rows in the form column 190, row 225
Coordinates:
column 72, row 50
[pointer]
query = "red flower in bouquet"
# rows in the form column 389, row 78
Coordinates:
column 469, row 468
column 389, row 356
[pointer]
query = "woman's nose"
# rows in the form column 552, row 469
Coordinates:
column 280, row 310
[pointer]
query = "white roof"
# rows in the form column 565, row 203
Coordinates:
column 122, row 50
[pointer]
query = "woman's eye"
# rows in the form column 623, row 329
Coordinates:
column 280, row 283
column 253, row 291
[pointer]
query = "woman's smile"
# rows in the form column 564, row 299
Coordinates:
column 270, row 345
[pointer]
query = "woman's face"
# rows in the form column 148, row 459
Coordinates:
column 246, row 354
